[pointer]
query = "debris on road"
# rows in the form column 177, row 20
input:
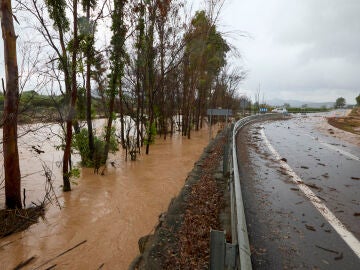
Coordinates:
column 313, row 186
column 327, row 249
column 310, row 228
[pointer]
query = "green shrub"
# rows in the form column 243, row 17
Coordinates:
column 151, row 133
column 81, row 144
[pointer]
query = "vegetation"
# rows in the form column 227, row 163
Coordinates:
column 160, row 69
column 340, row 102
column 81, row 144
column 204, row 57
column 19, row 220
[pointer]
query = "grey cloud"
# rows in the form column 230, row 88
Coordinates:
column 330, row 28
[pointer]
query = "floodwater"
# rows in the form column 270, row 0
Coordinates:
column 109, row 212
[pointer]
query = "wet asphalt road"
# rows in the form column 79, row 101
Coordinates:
column 286, row 230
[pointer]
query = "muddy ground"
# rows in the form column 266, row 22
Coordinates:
column 182, row 237
column 335, row 127
column 349, row 123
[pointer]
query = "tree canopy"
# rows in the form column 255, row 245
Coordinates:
column 340, row 102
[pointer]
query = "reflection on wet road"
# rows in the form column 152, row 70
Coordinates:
column 285, row 225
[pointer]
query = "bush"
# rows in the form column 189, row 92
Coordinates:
column 151, row 133
column 81, row 144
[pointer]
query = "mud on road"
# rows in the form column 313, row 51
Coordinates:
column 285, row 229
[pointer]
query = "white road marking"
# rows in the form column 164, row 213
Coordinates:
column 332, row 147
column 344, row 233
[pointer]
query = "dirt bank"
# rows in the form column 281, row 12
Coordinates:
column 181, row 239
column 333, row 126
column 349, row 123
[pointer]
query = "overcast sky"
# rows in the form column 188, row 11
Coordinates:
column 307, row 50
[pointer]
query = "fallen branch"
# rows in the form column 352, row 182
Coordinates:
column 340, row 257
column 326, row 249
column 310, row 228
column 61, row 254
column 27, row 218
column 49, row 187
column 24, row 263
column 8, row 243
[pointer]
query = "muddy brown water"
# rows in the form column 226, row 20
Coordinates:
column 110, row 212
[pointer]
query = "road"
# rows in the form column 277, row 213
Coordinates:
column 301, row 191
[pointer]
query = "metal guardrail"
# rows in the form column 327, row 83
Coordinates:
column 235, row 255
column 238, row 221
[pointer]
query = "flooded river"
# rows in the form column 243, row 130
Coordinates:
column 109, row 212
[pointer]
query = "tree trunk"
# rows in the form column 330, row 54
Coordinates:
column 67, row 156
column 108, row 128
column 149, row 137
column 10, row 147
column 88, row 95
column 122, row 124
column 142, row 118
column 138, row 109
column 71, row 114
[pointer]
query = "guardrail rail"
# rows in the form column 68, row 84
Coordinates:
column 239, row 228
column 236, row 255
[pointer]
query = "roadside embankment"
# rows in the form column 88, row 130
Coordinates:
column 346, row 128
column 182, row 236
column 349, row 123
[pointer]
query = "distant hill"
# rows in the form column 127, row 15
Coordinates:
column 298, row 103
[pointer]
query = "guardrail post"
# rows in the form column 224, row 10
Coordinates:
column 234, row 236
column 226, row 158
column 223, row 255
column 217, row 250
column 227, row 149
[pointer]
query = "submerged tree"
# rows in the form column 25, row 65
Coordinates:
column 72, row 103
column 205, row 55
column 117, row 60
column 65, row 45
column 88, row 47
column 11, row 100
